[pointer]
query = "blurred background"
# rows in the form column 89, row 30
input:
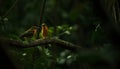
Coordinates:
column 92, row 24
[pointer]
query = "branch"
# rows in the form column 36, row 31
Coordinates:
column 6, row 13
column 38, row 42
column 42, row 9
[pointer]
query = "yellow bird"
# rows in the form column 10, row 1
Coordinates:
column 44, row 31
column 31, row 32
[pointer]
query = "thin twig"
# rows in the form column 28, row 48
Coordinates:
column 13, row 5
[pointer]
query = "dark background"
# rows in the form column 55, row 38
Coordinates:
column 92, row 24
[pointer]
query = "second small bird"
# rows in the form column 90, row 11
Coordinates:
column 44, row 31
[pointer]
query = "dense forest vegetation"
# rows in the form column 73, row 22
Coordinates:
column 82, row 34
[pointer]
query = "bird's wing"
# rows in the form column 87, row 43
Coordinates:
column 29, row 32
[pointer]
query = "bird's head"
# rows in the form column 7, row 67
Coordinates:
column 34, row 27
column 43, row 24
